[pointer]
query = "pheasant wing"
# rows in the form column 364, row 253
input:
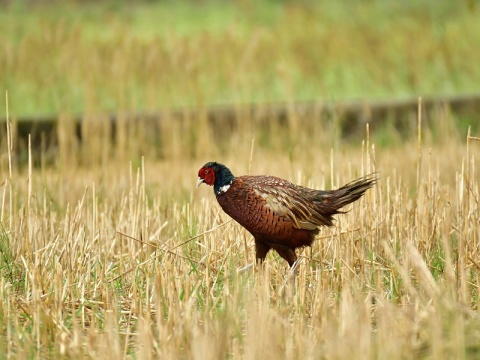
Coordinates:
column 300, row 205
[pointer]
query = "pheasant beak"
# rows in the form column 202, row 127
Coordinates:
column 200, row 181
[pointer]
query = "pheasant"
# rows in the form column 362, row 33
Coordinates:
column 279, row 214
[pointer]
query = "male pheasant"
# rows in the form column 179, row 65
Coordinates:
column 280, row 215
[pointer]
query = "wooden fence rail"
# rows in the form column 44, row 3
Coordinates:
column 351, row 115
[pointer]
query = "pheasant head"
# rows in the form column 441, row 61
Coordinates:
column 216, row 175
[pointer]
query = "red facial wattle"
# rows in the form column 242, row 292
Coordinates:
column 208, row 175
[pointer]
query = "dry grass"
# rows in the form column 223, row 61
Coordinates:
column 108, row 251
column 102, row 258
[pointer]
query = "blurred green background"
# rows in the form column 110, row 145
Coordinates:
column 121, row 55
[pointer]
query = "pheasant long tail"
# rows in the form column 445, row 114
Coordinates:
column 352, row 191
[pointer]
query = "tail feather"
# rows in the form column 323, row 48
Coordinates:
column 352, row 191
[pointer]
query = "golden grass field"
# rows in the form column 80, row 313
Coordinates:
column 107, row 249
column 124, row 258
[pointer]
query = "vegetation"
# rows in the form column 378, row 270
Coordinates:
column 102, row 257
column 110, row 252
column 77, row 57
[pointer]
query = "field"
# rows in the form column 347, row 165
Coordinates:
column 114, row 56
column 128, row 259
column 110, row 252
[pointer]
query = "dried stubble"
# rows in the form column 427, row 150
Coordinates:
column 107, row 255
column 119, row 260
